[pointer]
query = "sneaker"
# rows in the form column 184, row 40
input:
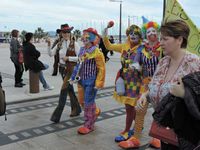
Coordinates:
column 49, row 88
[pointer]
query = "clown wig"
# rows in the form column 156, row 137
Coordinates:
column 149, row 25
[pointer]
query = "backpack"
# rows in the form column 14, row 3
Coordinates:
column 2, row 103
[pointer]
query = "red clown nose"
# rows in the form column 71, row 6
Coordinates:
column 110, row 24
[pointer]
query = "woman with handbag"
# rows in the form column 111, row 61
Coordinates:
column 177, row 63
column 128, row 79
column 15, row 48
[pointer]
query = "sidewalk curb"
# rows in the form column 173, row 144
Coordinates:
column 45, row 97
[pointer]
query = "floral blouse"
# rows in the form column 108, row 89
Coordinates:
column 158, row 87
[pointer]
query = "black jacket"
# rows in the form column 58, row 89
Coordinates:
column 31, row 56
column 183, row 115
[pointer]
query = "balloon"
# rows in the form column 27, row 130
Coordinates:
column 110, row 24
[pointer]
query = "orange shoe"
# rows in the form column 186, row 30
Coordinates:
column 97, row 112
column 155, row 143
column 130, row 143
column 84, row 130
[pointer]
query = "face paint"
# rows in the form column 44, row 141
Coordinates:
column 85, row 38
column 134, row 37
column 152, row 34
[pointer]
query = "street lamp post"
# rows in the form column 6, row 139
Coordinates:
column 120, row 19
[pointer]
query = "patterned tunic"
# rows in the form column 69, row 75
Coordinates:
column 132, row 77
column 158, row 87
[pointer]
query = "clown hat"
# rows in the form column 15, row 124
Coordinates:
column 92, row 30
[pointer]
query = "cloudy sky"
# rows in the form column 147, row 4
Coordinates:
column 49, row 14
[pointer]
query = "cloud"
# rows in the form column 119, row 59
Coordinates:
column 30, row 14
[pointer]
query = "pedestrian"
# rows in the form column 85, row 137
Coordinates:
column 92, row 76
column 129, row 76
column 70, row 49
column 15, row 49
column 32, row 62
column 104, row 50
column 112, row 40
column 149, row 57
column 178, row 62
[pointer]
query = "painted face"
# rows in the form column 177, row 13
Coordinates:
column 134, row 38
column 152, row 34
column 85, row 38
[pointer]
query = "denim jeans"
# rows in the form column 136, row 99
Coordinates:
column 89, row 90
column 42, row 79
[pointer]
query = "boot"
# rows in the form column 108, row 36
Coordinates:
column 90, row 117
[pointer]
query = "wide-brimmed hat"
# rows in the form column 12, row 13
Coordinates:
column 65, row 28
column 92, row 30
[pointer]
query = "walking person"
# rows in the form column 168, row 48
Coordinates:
column 92, row 76
column 70, row 49
column 131, row 75
column 149, row 57
column 167, row 78
column 15, row 47
column 31, row 62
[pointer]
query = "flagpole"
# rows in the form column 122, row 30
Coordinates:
column 164, row 7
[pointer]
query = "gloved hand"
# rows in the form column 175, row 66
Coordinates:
column 135, row 65
column 178, row 89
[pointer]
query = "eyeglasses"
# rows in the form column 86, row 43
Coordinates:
column 66, row 32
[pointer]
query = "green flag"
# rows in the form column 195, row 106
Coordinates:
column 174, row 11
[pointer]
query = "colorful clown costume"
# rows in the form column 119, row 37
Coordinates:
column 149, row 58
column 130, row 74
column 92, row 77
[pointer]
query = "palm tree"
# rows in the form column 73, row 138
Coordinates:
column 39, row 34
column 22, row 35
column 77, row 34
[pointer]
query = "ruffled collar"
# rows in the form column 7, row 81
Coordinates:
column 150, row 51
column 83, row 50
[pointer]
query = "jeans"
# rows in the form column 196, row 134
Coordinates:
column 89, row 90
column 42, row 79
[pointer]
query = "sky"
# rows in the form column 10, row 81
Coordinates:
column 50, row 14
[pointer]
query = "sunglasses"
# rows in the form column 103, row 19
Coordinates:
column 66, row 32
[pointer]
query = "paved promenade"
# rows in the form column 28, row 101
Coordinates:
column 28, row 126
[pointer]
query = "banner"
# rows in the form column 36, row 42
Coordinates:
column 173, row 11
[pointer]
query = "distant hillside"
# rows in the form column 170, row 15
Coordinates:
column 51, row 33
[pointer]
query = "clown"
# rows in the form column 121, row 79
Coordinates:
column 92, row 77
column 130, row 73
column 149, row 58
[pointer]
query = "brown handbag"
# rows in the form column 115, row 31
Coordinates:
column 164, row 134
column 20, row 56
